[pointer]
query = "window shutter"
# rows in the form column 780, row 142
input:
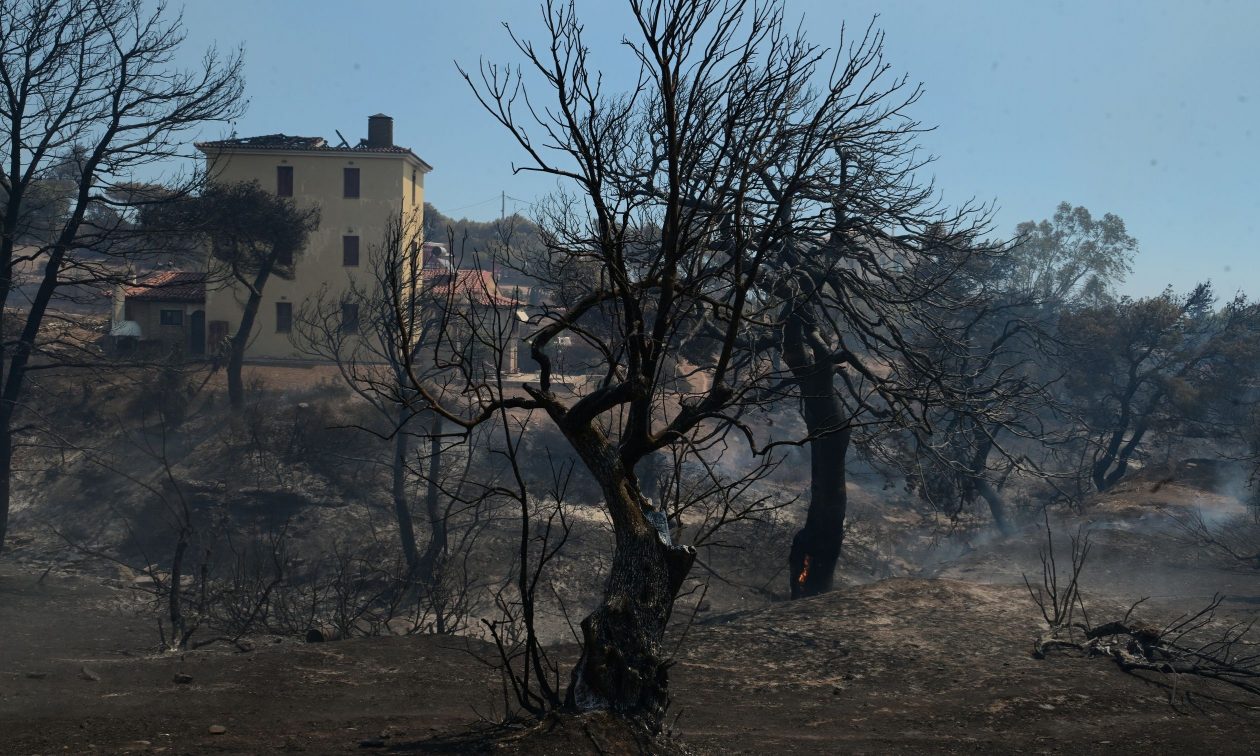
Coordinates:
column 350, row 251
column 284, row 181
column 284, row 317
column 351, row 176
column 349, row 317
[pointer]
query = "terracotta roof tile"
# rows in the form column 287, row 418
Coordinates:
column 464, row 285
column 169, row 286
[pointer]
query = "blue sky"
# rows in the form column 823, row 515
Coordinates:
column 1149, row 109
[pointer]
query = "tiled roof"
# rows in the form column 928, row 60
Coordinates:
column 270, row 142
column 305, row 144
column 169, row 286
column 463, row 286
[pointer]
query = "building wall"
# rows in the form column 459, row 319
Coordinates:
column 385, row 191
column 148, row 314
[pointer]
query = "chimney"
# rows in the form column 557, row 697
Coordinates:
column 380, row 131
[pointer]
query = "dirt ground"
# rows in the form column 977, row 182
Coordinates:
column 938, row 662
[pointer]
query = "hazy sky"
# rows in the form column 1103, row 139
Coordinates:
column 1150, row 110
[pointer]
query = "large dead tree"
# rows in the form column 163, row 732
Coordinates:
column 870, row 271
column 88, row 91
column 673, row 221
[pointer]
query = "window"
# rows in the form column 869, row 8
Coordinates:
column 284, row 181
column 284, row 317
column 351, row 182
column 284, row 257
column 171, row 317
column 350, row 251
column 349, row 317
column 413, row 186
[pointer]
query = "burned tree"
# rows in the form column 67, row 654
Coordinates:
column 415, row 324
column 672, row 216
column 996, row 419
column 1153, row 365
column 1012, row 348
column 869, row 269
column 91, row 94
column 1197, row 643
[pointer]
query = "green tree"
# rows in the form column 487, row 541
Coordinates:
column 1072, row 257
column 253, row 235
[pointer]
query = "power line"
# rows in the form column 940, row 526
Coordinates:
column 503, row 198
column 475, row 204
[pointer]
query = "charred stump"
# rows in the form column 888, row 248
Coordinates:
column 622, row 667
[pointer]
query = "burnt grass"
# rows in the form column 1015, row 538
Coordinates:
column 925, row 646
column 911, row 664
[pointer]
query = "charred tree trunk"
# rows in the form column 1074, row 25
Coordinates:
column 436, row 547
column 816, row 546
column 979, row 465
column 179, row 634
column 6, row 474
column 623, row 667
column 997, row 506
column 402, row 508
column 1113, row 463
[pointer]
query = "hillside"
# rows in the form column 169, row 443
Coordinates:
column 917, row 664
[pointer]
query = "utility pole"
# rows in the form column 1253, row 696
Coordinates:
column 502, row 205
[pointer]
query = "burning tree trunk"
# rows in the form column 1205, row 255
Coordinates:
column 816, row 546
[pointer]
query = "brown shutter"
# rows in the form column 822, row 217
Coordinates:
column 284, row 181
column 349, row 317
column 351, row 176
column 284, row 317
column 350, row 251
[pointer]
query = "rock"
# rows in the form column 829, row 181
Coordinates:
column 217, row 729
column 322, row 634
column 182, row 679
column 89, row 675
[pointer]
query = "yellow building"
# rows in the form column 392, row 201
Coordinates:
column 358, row 189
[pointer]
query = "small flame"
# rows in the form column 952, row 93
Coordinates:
column 800, row 579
